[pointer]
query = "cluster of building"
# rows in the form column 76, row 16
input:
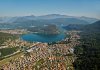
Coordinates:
column 14, row 31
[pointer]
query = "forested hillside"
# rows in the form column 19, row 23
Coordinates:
column 88, row 52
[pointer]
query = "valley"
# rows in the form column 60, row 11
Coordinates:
column 50, row 46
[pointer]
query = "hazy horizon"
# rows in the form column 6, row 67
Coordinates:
column 12, row 8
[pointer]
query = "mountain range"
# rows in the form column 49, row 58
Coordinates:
column 57, row 19
column 94, row 27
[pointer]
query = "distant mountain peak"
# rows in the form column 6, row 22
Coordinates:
column 54, row 15
column 88, row 19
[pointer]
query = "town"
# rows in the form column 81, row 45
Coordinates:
column 40, row 56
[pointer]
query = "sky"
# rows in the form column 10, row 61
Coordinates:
column 89, row 8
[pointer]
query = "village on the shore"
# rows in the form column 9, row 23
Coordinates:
column 40, row 56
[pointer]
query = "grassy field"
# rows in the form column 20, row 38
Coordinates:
column 6, row 36
column 6, row 60
column 7, row 51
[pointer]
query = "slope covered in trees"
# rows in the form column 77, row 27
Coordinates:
column 88, row 52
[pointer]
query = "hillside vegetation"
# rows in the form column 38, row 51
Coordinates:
column 88, row 52
column 6, row 36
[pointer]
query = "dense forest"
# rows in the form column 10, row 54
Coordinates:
column 88, row 52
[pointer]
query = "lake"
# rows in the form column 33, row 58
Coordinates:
column 42, row 38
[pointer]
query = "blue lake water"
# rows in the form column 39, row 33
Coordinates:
column 42, row 38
